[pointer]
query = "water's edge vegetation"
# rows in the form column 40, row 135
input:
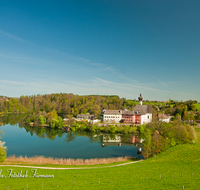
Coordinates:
column 156, row 136
column 175, row 168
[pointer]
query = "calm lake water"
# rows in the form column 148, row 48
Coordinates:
column 31, row 141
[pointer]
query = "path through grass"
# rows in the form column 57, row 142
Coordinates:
column 173, row 169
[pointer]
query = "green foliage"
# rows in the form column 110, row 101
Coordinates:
column 94, row 128
column 141, row 128
column 161, row 136
column 56, row 123
column 59, row 123
column 127, row 129
column 28, row 121
column 52, row 115
column 71, row 104
column 42, row 119
column 194, row 123
column 3, row 152
column 173, row 169
column 113, row 129
column 52, row 123
column 197, row 106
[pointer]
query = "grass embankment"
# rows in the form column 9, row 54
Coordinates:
column 177, row 167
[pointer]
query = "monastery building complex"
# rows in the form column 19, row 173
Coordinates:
column 139, row 115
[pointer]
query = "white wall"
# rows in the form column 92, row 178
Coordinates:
column 110, row 118
column 165, row 120
column 146, row 118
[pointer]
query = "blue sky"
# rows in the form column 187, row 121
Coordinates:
column 106, row 47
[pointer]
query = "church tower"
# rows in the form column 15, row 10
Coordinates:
column 140, row 99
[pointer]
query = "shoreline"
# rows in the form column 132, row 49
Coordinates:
column 56, row 168
column 41, row 160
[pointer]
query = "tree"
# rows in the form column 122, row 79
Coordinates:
column 52, row 123
column 3, row 149
column 42, row 119
column 185, row 115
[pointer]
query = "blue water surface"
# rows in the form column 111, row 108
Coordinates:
column 19, row 142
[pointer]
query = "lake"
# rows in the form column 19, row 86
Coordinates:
column 31, row 141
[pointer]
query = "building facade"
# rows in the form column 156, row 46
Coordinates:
column 111, row 116
column 87, row 117
column 139, row 115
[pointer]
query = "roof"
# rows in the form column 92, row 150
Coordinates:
column 114, row 112
column 128, row 112
column 142, row 109
column 163, row 116
column 84, row 115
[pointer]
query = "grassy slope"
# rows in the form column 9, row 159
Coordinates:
column 145, row 103
column 198, row 106
column 183, row 159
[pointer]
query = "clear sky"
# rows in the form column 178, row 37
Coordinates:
column 105, row 47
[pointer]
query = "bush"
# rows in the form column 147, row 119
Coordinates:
column 82, row 127
column 141, row 128
column 194, row 123
column 113, row 129
column 52, row 123
column 42, row 119
column 28, row 121
column 56, row 123
column 3, row 152
column 161, row 136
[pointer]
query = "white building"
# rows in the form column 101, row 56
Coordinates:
column 139, row 115
column 164, row 118
column 86, row 117
column 143, row 114
column 111, row 115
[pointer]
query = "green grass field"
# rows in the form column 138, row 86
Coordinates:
column 198, row 106
column 177, row 167
column 145, row 103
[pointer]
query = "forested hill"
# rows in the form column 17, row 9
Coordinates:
column 68, row 104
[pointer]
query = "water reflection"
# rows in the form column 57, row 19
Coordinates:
column 79, row 144
column 122, row 140
column 12, row 119
column 104, row 139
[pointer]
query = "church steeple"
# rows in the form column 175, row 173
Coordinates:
column 140, row 99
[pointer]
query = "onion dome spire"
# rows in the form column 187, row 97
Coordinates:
column 140, row 98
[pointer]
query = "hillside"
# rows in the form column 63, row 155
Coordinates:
column 177, row 167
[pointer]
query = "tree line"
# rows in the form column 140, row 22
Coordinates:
column 70, row 104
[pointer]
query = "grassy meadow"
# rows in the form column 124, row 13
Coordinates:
column 197, row 106
column 172, row 169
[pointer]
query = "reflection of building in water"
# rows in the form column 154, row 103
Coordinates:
column 139, row 153
column 119, row 140
column 115, row 139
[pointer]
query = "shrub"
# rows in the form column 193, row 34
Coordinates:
column 161, row 136
column 113, row 129
column 42, row 119
column 82, row 127
column 3, row 152
column 141, row 128
column 59, row 123
column 52, row 123
column 28, row 121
